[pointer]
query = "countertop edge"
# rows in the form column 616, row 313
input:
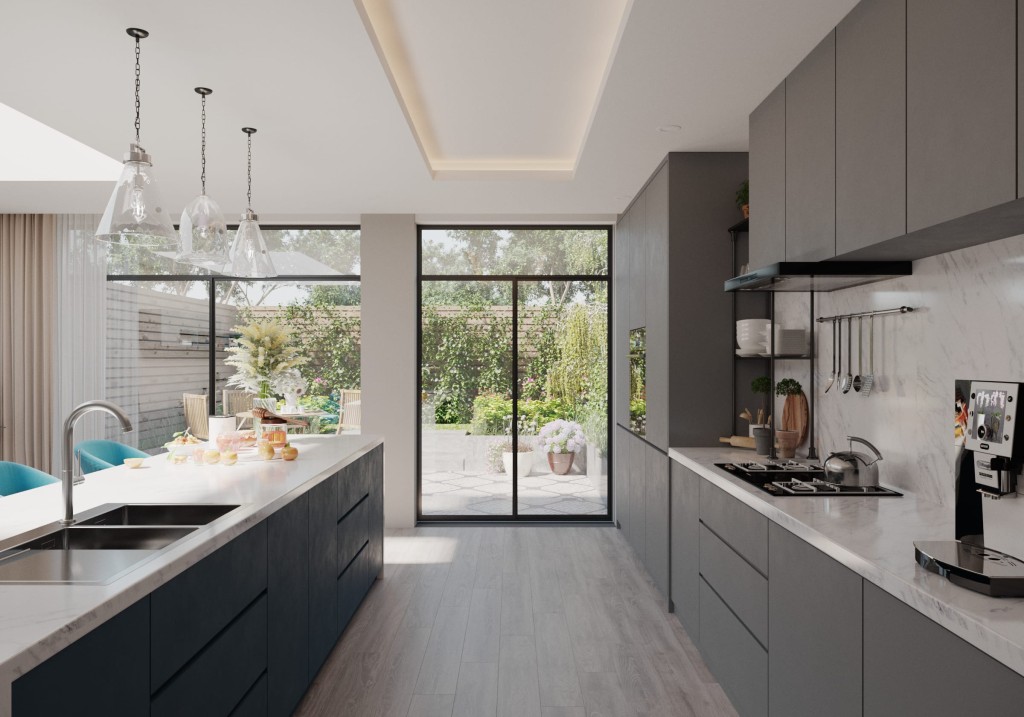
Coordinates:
column 962, row 624
column 147, row 578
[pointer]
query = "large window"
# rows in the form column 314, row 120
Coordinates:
column 514, row 366
column 169, row 326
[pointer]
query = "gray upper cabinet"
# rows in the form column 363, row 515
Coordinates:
column 814, row 619
column 656, row 211
column 810, row 155
column 768, row 180
column 961, row 108
column 637, row 248
column 871, row 124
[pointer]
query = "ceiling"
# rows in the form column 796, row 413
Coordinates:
column 335, row 138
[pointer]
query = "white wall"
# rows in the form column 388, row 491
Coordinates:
column 969, row 324
column 388, row 270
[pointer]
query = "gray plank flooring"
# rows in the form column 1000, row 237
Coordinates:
column 482, row 621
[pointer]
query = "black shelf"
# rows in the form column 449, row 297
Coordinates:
column 740, row 226
column 779, row 357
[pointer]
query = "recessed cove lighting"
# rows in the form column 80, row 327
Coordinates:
column 669, row 128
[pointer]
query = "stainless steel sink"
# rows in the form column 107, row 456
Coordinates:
column 104, row 543
column 103, row 538
column 157, row 514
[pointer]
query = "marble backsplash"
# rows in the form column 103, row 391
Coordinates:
column 968, row 323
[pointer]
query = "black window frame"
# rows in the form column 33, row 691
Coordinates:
column 514, row 279
column 211, row 281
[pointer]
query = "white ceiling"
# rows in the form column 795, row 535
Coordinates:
column 333, row 140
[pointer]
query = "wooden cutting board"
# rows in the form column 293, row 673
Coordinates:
column 795, row 416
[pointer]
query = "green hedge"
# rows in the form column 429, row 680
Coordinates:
column 492, row 414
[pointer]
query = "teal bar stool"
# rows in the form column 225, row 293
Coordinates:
column 15, row 478
column 98, row 455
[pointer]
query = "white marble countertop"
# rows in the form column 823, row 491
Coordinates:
column 37, row 621
column 875, row 537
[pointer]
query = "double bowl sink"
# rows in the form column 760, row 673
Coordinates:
column 103, row 544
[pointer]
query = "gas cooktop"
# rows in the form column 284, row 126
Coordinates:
column 785, row 478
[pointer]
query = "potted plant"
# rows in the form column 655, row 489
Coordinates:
column 760, row 386
column 262, row 354
column 562, row 439
column 525, row 451
column 794, row 414
column 743, row 198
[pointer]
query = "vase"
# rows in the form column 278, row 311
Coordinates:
column 560, row 463
column 788, row 441
column 264, row 389
column 291, row 402
column 525, row 463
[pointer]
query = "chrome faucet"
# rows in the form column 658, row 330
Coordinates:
column 68, row 472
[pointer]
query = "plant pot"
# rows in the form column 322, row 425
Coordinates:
column 560, row 463
column 788, row 441
column 525, row 463
column 762, row 441
column 746, row 211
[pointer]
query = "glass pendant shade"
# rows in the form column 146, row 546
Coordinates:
column 249, row 255
column 204, row 235
column 135, row 214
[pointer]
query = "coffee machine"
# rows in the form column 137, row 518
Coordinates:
column 988, row 466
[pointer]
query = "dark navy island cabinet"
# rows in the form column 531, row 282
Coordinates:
column 244, row 631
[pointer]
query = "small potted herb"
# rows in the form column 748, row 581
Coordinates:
column 743, row 198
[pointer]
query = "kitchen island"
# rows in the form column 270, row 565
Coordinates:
column 259, row 595
column 825, row 592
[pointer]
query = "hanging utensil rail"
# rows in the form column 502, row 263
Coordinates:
column 842, row 317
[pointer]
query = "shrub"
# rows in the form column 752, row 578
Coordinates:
column 492, row 414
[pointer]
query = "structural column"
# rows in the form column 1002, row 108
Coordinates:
column 389, row 404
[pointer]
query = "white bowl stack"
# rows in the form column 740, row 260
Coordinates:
column 751, row 335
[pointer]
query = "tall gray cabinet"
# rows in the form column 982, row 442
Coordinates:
column 672, row 254
column 898, row 137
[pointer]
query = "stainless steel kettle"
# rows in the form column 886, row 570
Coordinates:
column 852, row 468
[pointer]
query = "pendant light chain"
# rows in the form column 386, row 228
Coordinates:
column 249, row 192
column 138, row 85
column 202, row 176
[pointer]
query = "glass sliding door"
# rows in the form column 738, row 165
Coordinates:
column 466, row 398
column 514, row 371
column 563, row 396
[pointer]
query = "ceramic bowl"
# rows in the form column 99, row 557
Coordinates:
column 134, row 462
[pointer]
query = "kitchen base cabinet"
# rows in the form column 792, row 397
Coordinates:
column 735, row 658
column 815, row 622
column 221, row 676
column 241, row 632
column 636, row 532
column 288, row 607
column 912, row 666
column 656, row 519
column 685, row 548
column 323, row 572
column 104, row 673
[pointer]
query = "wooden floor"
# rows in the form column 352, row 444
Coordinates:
column 524, row 621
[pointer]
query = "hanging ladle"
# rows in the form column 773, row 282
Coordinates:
column 846, row 382
column 832, row 377
column 858, row 380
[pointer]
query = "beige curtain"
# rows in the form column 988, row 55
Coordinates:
column 28, row 298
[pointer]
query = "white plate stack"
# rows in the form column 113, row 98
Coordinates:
column 788, row 342
column 751, row 335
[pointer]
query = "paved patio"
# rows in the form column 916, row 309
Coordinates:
column 541, row 493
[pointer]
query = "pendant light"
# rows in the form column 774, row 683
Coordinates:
column 249, row 255
column 135, row 215
column 203, row 231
